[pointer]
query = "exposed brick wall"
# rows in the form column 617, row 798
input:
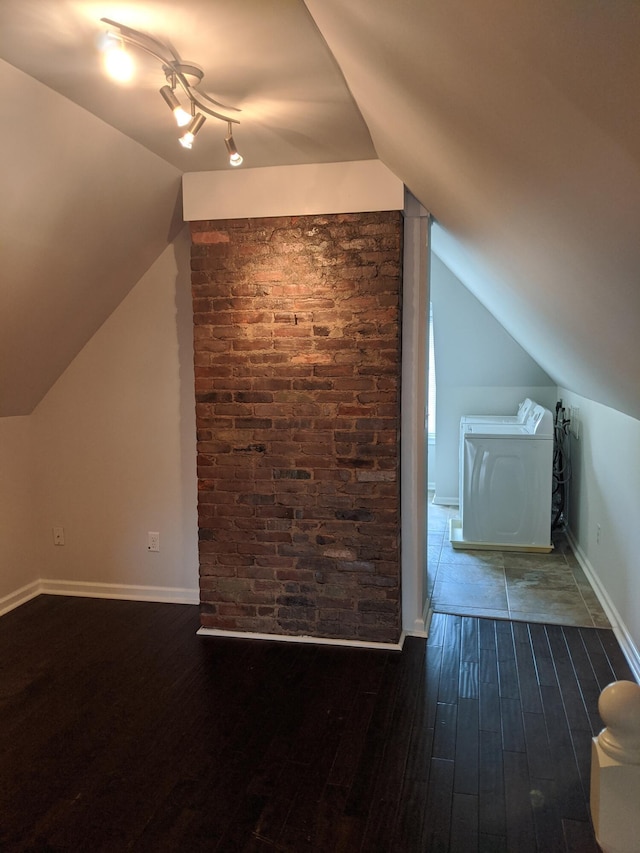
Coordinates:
column 297, row 364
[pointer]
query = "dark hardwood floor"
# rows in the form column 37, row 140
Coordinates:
column 120, row 729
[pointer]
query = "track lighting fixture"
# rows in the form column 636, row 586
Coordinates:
column 182, row 79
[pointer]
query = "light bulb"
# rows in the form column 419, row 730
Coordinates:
column 118, row 62
column 182, row 116
column 186, row 140
column 235, row 158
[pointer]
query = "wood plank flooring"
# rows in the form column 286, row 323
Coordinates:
column 121, row 730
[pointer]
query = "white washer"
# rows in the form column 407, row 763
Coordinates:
column 519, row 418
column 506, row 484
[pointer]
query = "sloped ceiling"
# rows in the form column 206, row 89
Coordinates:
column 517, row 124
column 84, row 211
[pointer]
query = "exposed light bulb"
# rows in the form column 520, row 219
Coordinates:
column 186, row 140
column 235, row 158
column 118, row 62
column 181, row 115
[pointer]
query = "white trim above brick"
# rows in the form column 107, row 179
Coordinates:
column 356, row 187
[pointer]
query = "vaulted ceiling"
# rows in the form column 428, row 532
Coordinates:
column 516, row 124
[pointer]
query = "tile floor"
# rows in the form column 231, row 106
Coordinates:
column 550, row 588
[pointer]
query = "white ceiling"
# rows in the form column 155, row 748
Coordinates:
column 264, row 57
column 516, row 124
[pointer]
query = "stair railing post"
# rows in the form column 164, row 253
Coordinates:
column 615, row 770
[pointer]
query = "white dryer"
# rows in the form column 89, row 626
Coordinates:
column 506, row 484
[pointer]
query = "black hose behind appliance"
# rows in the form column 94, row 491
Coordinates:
column 561, row 466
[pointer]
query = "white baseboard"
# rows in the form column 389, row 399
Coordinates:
column 129, row 592
column 439, row 500
column 628, row 646
column 421, row 626
column 19, row 596
column 306, row 639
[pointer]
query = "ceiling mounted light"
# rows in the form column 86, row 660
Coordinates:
column 118, row 62
column 185, row 75
column 182, row 117
column 186, row 140
column 235, row 158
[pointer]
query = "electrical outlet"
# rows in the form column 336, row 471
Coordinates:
column 154, row 542
column 58, row 535
column 598, row 533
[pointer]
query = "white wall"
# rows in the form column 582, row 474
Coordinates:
column 605, row 491
column 480, row 369
column 114, row 447
column 17, row 528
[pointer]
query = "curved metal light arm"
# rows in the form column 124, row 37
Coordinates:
column 212, row 101
column 205, row 109
column 144, row 42
column 173, row 67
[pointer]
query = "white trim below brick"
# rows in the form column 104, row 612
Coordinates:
column 293, row 638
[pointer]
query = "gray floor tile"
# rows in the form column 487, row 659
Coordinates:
column 600, row 619
column 593, row 605
column 551, row 600
column 543, row 578
column 471, row 558
column 578, row 573
column 519, row 560
column 433, row 554
column 549, row 588
column 470, row 573
column 438, row 520
column 482, row 612
column 487, row 594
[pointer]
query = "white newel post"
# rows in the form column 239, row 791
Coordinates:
column 615, row 770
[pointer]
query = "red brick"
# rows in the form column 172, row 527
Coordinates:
column 297, row 319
